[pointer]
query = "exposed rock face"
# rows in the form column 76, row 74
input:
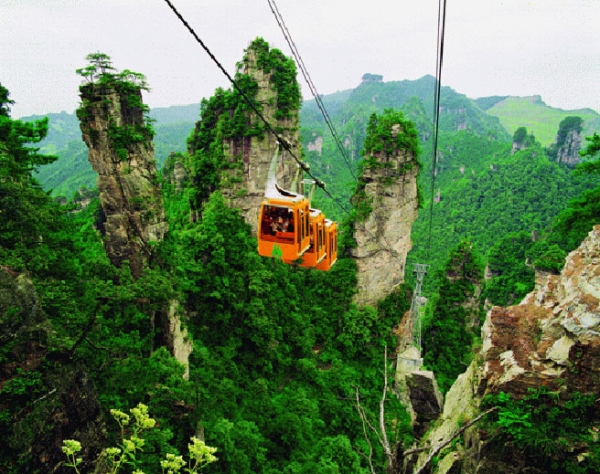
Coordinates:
column 552, row 340
column 568, row 150
column 516, row 146
column 417, row 389
column 243, row 183
column 316, row 144
column 522, row 140
column 383, row 237
column 121, row 152
column 176, row 173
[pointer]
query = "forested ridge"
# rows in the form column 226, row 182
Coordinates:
column 283, row 360
column 279, row 353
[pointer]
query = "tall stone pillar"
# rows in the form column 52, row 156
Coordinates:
column 120, row 146
column 386, row 204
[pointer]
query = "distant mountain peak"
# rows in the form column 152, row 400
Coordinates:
column 366, row 78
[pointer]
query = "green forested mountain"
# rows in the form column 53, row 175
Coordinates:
column 281, row 354
column 481, row 191
column 73, row 170
column 536, row 116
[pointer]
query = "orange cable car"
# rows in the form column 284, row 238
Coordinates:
column 289, row 229
column 316, row 252
column 330, row 246
column 284, row 227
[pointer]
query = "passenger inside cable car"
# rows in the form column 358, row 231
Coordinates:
column 277, row 221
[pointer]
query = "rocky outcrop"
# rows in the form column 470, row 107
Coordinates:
column 568, row 141
column 417, row 389
column 45, row 397
column 120, row 146
column 386, row 203
column 248, row 155
column 522, row 140
column 568, row 152
column 551, row 340
column 316, row 144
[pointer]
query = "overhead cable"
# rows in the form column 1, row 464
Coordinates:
column 309, row 82
column 280, row 139
column 436, row 106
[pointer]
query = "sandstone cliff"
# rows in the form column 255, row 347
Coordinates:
column 120, row 146
column 550, row 340
column 386, row 202
column 568, row 152
column 232, row 141
column 568, row 141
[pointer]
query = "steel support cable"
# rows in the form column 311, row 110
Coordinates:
column 288, row 37
column 280, row 140
column 319, row 102
column 436, row 107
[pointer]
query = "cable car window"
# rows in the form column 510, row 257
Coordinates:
column 277, row 219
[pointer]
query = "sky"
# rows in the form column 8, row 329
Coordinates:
column 491, row 47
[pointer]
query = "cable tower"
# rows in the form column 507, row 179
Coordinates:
column 417, row 304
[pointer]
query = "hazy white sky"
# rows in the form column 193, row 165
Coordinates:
column 492, row 47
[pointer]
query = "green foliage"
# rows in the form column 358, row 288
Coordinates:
column 546, row 256
column 486, row 200
column 283, row 77
column 523, row 139
column 122, row 137
column 545, row 426
column 593, row 145
column 380, row 136
column 5, row 102
column 270, row 341
column 542, row 120
column 566, row 126
column 128, row 85
column 450, row 331
column 573, row 223
column 591, row 150
column 132, row 445
column 512, row 278
column 386, row 134
column 278, row 350
column 227, row 116
column 100, row 70
column 72, row 171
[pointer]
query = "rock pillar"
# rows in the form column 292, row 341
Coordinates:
column 239, row 141
column 386, row 205
column 120, row 146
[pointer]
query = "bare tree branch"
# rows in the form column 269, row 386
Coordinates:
column 385, row 443
column 363, row 418
column 381, row 432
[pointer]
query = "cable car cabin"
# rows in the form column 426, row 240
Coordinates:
column 283, row 227
column 316, row 252
column 289, row 229
column 330, row 246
